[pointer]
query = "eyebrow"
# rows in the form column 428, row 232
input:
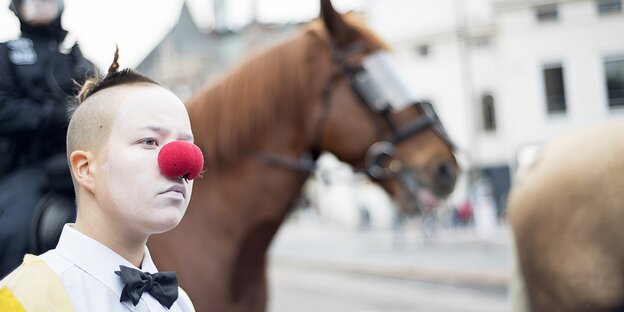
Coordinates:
column 160, row 130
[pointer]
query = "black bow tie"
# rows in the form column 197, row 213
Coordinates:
column 162, row 286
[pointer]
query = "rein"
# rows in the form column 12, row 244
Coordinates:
column 305, row 164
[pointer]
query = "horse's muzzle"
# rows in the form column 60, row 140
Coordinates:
column 444, row 177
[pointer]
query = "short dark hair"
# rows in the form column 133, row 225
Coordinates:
column 111, row 79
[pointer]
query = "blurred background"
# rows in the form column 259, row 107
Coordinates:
column 504, row 75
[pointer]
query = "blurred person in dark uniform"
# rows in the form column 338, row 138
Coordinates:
column 39, row 73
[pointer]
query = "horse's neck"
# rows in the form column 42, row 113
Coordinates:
column 263, row 105
column 262, row 193
column 269, row 110
column 247, row 203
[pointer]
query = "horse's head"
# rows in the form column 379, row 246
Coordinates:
column 367, row 118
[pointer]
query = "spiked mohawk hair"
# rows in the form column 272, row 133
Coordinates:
column 111, row 79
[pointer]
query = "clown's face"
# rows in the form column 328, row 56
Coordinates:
column 130, row 187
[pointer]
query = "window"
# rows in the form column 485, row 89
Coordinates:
column 547, row 12
column 480, row 41
column 422, row 50
column 555, row 91
column 605, row 7
column 614, row 72
column 489, row 114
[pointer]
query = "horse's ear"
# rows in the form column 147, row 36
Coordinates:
column 339, row 30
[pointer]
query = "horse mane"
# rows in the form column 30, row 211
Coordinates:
column 267, row 88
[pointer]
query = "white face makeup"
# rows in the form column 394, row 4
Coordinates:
column 40, row 12
column 131, row 186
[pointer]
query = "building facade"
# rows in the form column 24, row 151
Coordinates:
column 189, row 57
column 510, row 74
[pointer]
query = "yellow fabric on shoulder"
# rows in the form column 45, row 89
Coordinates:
column 35, row 287
column 8, row 302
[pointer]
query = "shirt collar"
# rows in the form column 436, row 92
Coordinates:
column 97, row 260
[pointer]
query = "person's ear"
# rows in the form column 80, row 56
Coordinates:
column 83, row 168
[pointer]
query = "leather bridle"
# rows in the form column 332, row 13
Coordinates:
column 379, row 154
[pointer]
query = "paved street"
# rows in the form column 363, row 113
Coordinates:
column 323, row 268
column 312, row 290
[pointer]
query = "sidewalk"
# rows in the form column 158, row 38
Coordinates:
column 455, row 256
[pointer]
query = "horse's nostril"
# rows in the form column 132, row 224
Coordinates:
column 445, row 174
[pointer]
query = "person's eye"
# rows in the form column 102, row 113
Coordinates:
column 149, row 141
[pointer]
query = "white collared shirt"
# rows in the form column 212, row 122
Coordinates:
column 87, row 269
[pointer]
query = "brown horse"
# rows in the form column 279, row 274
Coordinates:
column 566, row 211
column 257, row 127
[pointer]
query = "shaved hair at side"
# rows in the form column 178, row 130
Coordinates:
column 90, row 123
column 92, row 119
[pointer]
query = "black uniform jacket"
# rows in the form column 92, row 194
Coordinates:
column 37, row 79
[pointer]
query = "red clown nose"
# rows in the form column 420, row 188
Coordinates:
column 180, row 159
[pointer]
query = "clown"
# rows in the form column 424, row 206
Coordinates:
column 133, row 161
